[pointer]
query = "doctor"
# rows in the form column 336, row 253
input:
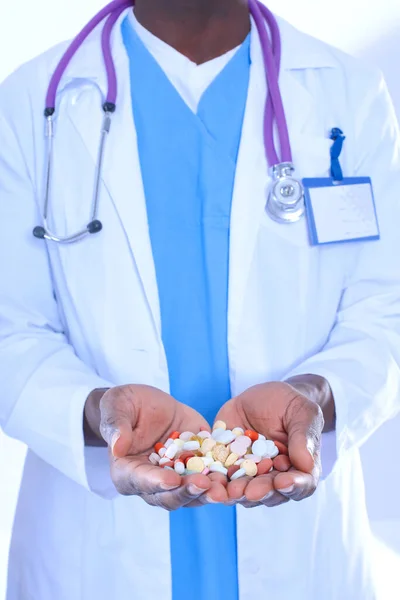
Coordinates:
column 196, row 294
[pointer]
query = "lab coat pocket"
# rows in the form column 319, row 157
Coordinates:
column 311, row 158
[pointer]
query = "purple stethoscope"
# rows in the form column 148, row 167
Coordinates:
column 285, row 203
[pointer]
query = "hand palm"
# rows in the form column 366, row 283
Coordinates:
column 237, row 413
column 274, row 410
column 155, row 415
column 140, row 416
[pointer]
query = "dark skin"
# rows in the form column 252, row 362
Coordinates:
column 199, row 29
column 132, row 418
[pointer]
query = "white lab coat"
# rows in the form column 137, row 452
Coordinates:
column 86, row 315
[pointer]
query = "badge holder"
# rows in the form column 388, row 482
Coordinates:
column 340, row 209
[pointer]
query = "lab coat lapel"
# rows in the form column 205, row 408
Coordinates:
column 121, row 175
column 252, row 178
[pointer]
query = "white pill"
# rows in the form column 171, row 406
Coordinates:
column 253, row 457
column 204, row 434
column 207, row 460
column 274, row 453
column 179, row 467
column 226, row 437
column 179, row 443
column 239, row 473
column 260, row 448
column 271, row 451
column 168, row 442
column 217, row 432
column 172, row 451
column 217, row 467
column 239, row 447
column 261, row 436
column 191, row 445
column 186, row 435
column 162, row 451
column 169, row 468
column 154, row 458
column 243, row 439
column 163, row 461
column 239, row 462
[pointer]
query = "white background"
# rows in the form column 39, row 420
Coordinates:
column 370, row 30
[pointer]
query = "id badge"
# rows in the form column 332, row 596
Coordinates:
column 339, row 212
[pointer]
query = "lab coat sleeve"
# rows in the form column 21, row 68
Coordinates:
column 362, row 355
column 43, row 384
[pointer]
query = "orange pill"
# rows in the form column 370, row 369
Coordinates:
column 264, row 466
column 174, row 435
column 232, row 469
column 282, row 463
column 283, row 449
column 184, row 457
column 158, row 446
column 253, row 435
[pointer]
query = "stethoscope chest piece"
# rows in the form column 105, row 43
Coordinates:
column 285, row 203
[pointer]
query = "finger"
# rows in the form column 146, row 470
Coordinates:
column 178, row 498
column 304, row 434
column 247, row 504
column 295, row 485
column 259, row 487
column 136, row 475
column 217, row 494
column 261, row 491
column 218, row 490
column 236, row 488
column 271, row 499
column 218, row 478
column 282, row 463
column 118, row 419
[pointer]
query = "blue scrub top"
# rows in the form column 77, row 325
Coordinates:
column 188, row 164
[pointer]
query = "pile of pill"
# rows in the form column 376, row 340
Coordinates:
column 234, row 453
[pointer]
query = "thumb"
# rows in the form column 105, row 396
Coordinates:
column 304, row 437
column 117, row 422
column 301, row 451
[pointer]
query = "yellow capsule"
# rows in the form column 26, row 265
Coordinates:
column 196, row 438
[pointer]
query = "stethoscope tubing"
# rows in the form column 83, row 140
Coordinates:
column 274, row 113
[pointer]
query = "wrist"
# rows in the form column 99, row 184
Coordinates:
column 318, row 390
column 92, row 417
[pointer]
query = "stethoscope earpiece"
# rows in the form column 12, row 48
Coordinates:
column 39, row 232
column 95, row 226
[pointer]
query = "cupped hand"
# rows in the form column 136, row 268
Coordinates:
column 133, row 419
column 281, row 413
